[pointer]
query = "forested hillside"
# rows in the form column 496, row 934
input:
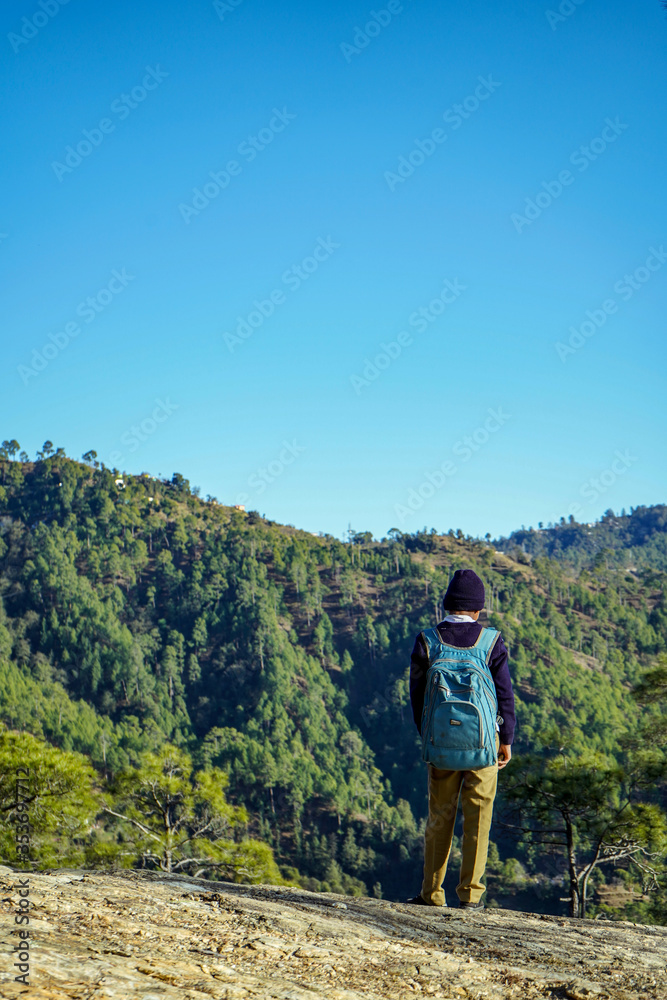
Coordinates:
column 637, row 539
column 257, row 674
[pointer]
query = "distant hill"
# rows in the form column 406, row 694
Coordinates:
column 634, row 540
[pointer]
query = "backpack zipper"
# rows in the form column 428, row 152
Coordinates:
column 484, row 676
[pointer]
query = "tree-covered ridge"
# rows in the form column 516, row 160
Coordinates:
column 631, row 541
column 137, row 614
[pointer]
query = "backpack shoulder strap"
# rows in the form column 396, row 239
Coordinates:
column 486, row 642
column 432, row 640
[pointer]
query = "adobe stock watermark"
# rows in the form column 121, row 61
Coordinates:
column 581, row 158
column 249, row 149
column 625, row 287
column 223, row 7
column 138, row 433
column 292, row 279
column 377, row 22
column 436, row 479
column 419, row 320
column 599, row 484
column 31, row 26
column 121, row 107
column 259, row 481
column 454, row 116
column 88, row 310
column 565, row 9
column 22, row 833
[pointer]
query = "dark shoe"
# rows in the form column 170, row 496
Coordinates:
column 471, row 906
column 418, row 901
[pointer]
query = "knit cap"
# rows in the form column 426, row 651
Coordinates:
column 465, row 592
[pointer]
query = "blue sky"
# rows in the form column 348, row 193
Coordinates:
column 514, row 267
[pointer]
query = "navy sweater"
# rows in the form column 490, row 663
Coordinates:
column 466, row 634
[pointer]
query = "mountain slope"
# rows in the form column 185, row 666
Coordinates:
column 135, row 613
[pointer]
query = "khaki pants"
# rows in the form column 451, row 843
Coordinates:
column 477, row 790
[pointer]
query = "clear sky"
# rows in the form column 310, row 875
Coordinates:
column 393, row 265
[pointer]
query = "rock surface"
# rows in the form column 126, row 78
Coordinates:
column 95, row 936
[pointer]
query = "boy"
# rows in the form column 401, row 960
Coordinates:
column 463, row 604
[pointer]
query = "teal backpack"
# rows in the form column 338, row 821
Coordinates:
column 460, row 706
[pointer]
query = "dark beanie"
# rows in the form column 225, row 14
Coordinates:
column 465, row 592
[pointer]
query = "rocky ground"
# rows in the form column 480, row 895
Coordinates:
column 95, row 936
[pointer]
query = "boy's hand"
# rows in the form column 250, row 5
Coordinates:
column 504, row 755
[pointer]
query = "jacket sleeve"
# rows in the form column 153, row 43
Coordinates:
column 500, row 671
column 418, row 668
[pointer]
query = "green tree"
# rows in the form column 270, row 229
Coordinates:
column 47, row 798
column 178, row 819
column 9, row 448
column 579, row 806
